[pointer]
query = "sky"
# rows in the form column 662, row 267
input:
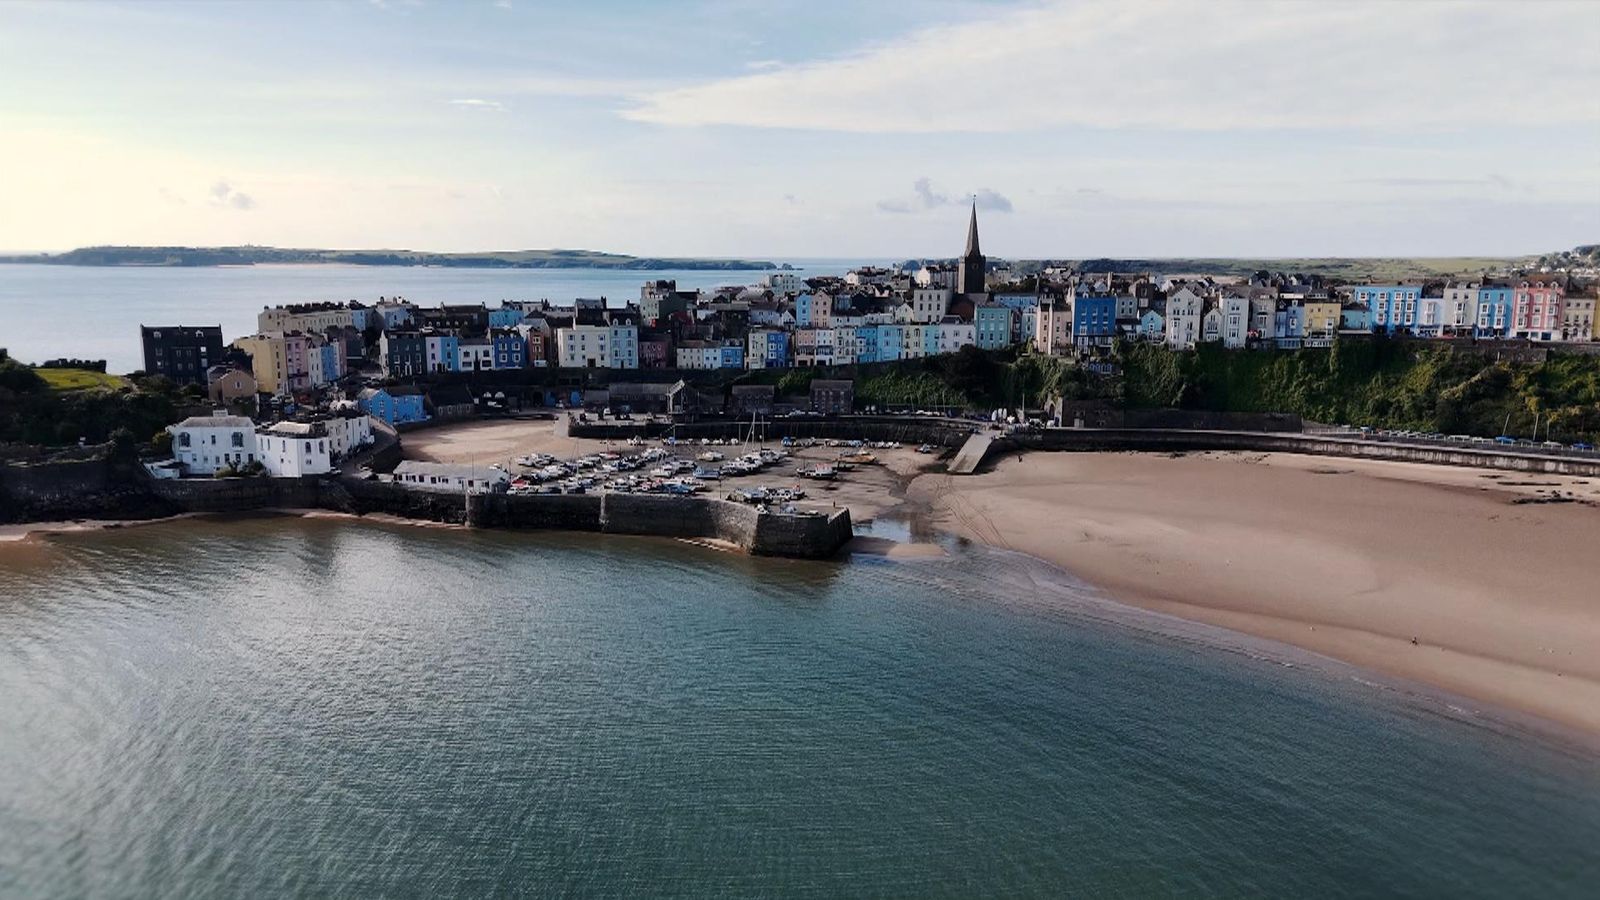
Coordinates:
column 804, row 128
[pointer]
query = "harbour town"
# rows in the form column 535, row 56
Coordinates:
column 1019, row 448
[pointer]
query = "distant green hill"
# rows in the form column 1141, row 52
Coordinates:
column 1371, row 269
column 251, row 255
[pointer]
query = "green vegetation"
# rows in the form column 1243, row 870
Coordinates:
column 969, row 379
column 32, row 412
column 252, row 255
column 1386, row 384
column 79, row 379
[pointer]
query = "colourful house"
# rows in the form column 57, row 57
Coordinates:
column 993, row 323
column 395, row 405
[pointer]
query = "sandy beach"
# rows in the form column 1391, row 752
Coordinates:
column 1350, row 559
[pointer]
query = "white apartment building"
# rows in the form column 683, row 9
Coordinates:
column 598, row 347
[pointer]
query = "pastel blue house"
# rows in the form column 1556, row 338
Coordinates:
column 732, row 355
column 505, row 317
column 395, row 405
column 891, row 342
column 1393, row 307
column 993, row 326
column 867, row 344
column 1494, row 312
column 330, row 360
column 930, row 340
column 1152, row 325
column 1355, row 318
column 444, row 352
column 361, row 317
column 1289, row 325
column 804, row 306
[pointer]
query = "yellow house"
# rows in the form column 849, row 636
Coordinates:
column 1322, row 318
column 267, row 360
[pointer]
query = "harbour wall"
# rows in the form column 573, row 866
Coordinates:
column 939, row 432
column 766, row 534
column 1167, row 441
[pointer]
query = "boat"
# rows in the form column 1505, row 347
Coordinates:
column 819, row 472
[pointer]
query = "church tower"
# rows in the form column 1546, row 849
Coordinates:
column 969, row 272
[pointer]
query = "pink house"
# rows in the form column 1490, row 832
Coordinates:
column 1537, row 306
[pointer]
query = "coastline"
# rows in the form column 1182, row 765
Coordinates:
column 1350, row 561
column 1346, row 559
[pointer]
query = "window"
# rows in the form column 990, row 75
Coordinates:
column 183, row 439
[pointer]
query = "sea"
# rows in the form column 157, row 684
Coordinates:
column 88, row 312
column 323, row 707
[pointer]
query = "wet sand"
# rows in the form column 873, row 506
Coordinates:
column 1350, row 559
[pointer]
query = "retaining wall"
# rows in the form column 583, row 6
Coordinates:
column 940, row 432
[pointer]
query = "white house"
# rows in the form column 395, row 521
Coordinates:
column 781, row 282
column 349, row 430
column 204, row 444
column 955, row 333
column 1235, row 312
column 454, row 479
column 1183, row 318
column 294, row 449
column 476, row 354
column 929, row 304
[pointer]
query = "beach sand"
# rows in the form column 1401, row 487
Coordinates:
column 1350, row 559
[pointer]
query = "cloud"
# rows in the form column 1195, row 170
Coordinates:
column 1232, row 64
column 223, row 194
column 479, row 104
column 992, row 200
column 924, row 196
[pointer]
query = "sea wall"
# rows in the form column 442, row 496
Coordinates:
column 221, row 495
column 1159, row 440
column 96, row 487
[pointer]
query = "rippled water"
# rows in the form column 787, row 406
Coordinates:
column 279, row 706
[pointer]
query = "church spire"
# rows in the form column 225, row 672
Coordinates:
column 972, row 232
column 972, row 267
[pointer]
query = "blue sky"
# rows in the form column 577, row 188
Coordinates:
column 804, row 128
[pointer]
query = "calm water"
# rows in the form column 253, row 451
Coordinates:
column 95, row 313
column 283, row 707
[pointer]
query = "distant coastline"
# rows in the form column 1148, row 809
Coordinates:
column 216, row 257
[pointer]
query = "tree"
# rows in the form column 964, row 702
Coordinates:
column 162, row 441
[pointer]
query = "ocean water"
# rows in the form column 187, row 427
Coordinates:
column 274, row 707
column 87, row 312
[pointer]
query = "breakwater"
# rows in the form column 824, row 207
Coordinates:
column 761, row 533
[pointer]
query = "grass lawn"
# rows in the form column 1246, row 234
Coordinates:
column 80, row 379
